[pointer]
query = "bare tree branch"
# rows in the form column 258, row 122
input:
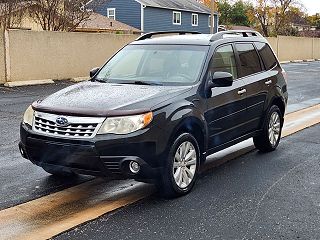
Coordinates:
column 60, row 15
column 11, row 13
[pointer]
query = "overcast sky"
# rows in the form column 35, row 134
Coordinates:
column 312, row 6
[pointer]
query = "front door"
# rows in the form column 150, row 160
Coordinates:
column 226, row 107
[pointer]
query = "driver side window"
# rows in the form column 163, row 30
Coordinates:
column 224, row 61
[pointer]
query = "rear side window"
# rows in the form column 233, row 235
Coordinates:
column 267, row 55
column 249, row 59
column 224, row 61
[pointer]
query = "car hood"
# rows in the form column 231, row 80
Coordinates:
column 107, row 99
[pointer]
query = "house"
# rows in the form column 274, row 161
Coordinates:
column 100, row 23
column 237, row 27
column 158, row 15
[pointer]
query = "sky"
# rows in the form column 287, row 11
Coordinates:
column 312, row 6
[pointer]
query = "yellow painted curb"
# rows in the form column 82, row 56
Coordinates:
column 50, row 215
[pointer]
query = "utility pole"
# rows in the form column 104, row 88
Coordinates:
column 212, row 7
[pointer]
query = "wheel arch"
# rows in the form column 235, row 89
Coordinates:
column 278, row 101
column 196, row 128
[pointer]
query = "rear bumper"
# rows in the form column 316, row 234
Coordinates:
column 102, row 156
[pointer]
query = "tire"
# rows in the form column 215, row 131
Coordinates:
column 269, row 139
column 179, row 174
column 58, row 171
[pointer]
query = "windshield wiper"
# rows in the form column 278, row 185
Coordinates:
column 99, row 80
column 146, row 83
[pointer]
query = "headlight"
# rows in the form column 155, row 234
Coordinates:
column 125, row 125
column 28, row 116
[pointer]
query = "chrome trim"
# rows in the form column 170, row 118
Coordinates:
column 78, row 127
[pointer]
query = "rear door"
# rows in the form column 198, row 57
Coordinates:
column 252, row 72
column 272, row 70
column 226, row 106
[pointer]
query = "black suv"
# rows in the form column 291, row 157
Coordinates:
column 158, row 107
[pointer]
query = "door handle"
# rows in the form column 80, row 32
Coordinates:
column 268, row 82
column 242, row 91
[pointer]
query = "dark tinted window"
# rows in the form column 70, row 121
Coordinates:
column 249, row 59
column 267, row 55
column 224, row 61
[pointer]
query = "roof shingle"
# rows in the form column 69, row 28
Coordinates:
column 185, row 5
column 98, row 22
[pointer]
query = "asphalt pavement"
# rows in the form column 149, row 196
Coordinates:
column 303, row 84
column 21, row 181
column 257, row 196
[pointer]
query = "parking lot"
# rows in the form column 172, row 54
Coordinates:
column 254, row 196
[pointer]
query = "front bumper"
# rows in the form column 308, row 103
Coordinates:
column 104, row 155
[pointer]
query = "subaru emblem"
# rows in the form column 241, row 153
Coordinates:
column 62, row 121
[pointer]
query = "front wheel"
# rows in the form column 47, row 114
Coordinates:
column 269, row 139
column 181, row 169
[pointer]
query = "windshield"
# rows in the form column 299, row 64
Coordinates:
column 155, row 64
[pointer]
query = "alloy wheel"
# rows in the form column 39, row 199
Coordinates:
column 185, row 164
column 274, row 128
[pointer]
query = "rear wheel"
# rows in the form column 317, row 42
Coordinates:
column 180, row 173
column 269, row 139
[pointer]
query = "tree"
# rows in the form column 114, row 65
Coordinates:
column 59, row 15
column 275, row 17
column 233, row 14
column 261, row 16
column 225, row 10
column 238, row 14
column 282, row 16
column 314, row 20
column 10, row 13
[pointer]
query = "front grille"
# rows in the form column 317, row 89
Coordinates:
column 77, row 127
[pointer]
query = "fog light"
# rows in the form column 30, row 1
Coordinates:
column 134, row 167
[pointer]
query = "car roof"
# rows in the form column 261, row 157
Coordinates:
column 198, row 39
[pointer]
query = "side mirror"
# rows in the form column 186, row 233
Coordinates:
column 221, row 79
column 94, row 71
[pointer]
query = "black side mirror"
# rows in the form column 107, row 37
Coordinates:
column 221, row 79
column 94, row 71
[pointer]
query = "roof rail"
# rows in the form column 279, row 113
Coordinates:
column 150, row 34
column 235, row 33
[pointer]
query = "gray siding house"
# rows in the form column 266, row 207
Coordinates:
column 159, row 15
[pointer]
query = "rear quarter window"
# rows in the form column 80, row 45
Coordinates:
column 249, row 59
column 267, row 55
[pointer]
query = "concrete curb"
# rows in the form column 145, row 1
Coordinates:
column 27, row 83
column 284, row 62
column 309, row 60
column 79, row 79
column 300, row 61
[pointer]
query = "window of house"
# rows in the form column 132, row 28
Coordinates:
column 209, row 21
column 195, row 19
column 249, row 59
column 267, row 55
column 176, row 18
column 111, row 13
column 224, row 61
